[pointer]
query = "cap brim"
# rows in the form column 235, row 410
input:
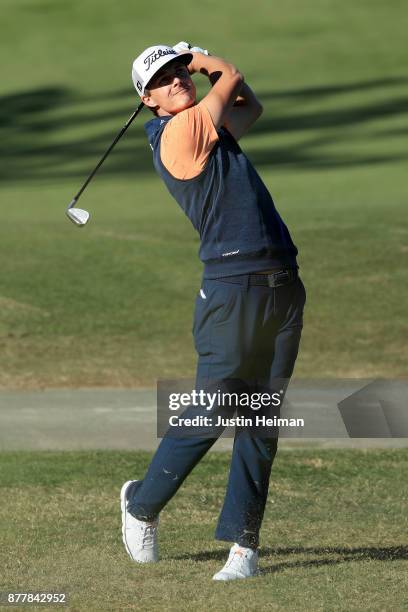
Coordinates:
column 185, row 56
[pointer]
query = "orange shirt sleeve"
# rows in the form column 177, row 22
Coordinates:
column 187, row 141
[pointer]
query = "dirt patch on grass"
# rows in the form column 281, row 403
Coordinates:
column 9, row 304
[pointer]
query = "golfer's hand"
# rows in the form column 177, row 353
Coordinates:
column 185, row 46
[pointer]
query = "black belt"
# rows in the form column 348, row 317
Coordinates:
column 274, row 279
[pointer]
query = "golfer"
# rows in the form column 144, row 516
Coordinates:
column 248, row 312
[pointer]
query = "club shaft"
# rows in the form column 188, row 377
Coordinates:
column 105, row 155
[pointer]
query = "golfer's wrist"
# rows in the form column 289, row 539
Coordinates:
column 208, row 65
column 197, row 62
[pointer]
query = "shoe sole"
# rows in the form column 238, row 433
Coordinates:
column 257, row 573
column 123, row 503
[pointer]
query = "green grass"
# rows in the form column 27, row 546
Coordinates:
column 111, row 305
column 334, row 535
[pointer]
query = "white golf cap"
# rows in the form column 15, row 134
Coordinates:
column 151, row 60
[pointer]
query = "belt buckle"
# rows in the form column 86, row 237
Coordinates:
column 276, row 279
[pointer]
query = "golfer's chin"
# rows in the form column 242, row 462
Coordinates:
column 185, row 100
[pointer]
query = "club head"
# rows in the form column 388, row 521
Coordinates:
column 78, row 216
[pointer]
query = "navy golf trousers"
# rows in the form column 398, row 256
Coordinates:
column 241, row 332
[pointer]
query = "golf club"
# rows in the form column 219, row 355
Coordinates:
column 77, row 215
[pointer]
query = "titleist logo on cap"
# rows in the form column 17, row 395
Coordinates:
column 152, row 57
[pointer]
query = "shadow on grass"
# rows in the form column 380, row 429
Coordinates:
column 52, row 132
column 344, row 555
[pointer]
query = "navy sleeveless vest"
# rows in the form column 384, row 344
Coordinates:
column 231, row 209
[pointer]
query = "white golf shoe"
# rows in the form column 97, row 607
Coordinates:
column 139, row 537
column 242, row 563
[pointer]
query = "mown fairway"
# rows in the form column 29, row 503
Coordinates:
column 334, row 535
column 112, row 304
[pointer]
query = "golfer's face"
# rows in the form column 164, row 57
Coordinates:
column 172, row 89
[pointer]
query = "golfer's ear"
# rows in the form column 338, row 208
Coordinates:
column 147, row 99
